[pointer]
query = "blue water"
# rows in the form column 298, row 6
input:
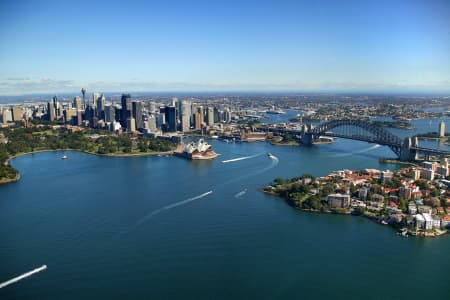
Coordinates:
column 137, row 228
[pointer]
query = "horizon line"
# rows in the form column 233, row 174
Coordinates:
column 381, row 92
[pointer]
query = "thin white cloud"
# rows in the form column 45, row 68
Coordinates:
column 25, row 85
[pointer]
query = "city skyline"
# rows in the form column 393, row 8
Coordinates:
column 52, row 47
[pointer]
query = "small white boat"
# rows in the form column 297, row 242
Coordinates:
column 64, row 157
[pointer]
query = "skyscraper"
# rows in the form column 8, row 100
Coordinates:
column 17, row 113
column 152, row 107
column 95, row 98
column 185, row 116
column 198, row 120
column 138, row 107
column 151, row 121
column 171, row 120
column 7, row 116
column 131, row 124
column 101, row 107
column 110, row 113
column 210, row 116
column 126, row 109
column 77, row 103
column 69, row 115
column 56, row 107
column 201, row 111
column 51, row 111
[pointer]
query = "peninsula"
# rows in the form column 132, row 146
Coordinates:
column 415, row 200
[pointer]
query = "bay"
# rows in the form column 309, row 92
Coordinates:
column 169, row 228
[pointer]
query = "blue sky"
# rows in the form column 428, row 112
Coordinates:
column 59, row 46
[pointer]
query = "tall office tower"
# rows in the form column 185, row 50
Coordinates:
column 227, row 115
column 89, row 115
column 95, row 98
column 17, row 113
column 79, row 117
column 198, row 120
column 185, row 116
column 201, row 111
column 138, row 109
column 217, row 115
column 7, row 116
column 56, row 107
column 101, row 107
column 442, row 129
column 178, row 107
column 131, row 124
column 51, row 111
column 126, row 109
column 69, row 114
column 193, row 111
column 117, row 112
column 160, row 120
column 83, row 92
column 193, row 108
column 210, row 116
column 175, row 103
column 152, row 107
column 171, row 120
column 110, row 113
column 151, row 121
column 77, row 103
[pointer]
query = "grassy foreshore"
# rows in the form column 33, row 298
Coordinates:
column 23, row 141
column 283, row 143
column 16, row 178
column 9, row 180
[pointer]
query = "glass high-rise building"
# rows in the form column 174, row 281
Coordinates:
column 171, row 119
column 185, row 116
column 127, row 108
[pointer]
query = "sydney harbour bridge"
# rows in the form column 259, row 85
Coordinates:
column 407, row 149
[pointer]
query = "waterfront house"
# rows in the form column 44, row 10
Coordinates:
column 338, row 200
column 428, row 221
column 377, row 198
column 412, row 208
column 445, row 221
column 436, row 221
column 420, row 221
column 424, row 209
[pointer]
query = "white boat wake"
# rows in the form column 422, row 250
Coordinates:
column 358, row 152
column 240, row 194
column 160, row 210
column 273, row 164
column 168, row 207
column 23, row 276
column 240, row 158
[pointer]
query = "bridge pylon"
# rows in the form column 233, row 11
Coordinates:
column 407, row 152
column 307, row 138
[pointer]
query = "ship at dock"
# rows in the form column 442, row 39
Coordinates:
column 199, row 150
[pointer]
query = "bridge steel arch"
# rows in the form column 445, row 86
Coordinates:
column 379, row 135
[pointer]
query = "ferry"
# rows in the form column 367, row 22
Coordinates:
column 271, row 156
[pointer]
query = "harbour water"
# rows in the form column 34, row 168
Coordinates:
column 169, row 228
